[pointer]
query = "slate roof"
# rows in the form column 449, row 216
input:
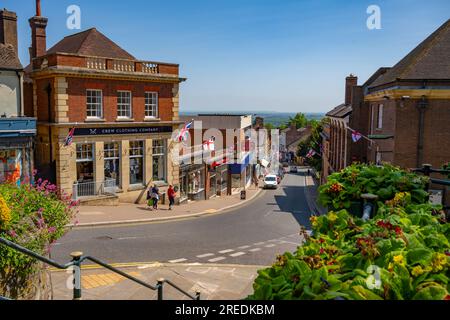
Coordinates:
column 429, row 60
column 341, row 111
column 9, row 58
column 91, row 43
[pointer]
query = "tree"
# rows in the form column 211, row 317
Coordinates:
column 300, row 120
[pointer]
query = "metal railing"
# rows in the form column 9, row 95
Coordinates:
column 427, row 170
column 94, row 188
column 77, row 260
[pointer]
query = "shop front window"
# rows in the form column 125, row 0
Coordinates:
column 183, row 186
column 112, row 162
column 196, row 181
column 213, row 185
column 159, row 160
column 223, row 183
column 12, row 166
column 85, row 162
column 136, row 162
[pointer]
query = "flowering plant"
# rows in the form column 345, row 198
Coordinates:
column 33, row 216
column 384, row 181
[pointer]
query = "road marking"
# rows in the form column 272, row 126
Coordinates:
column 244, row 247
column 237, row 254
column 270, row 246
column 205, row 255
column 217, row 259
column 255, row 250
column 226, row 251
column 128, row 238
column 177, row 261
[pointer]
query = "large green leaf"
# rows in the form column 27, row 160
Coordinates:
column 421, row 256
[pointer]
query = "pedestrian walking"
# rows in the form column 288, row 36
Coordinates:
column 172, row 194
column 155, row 197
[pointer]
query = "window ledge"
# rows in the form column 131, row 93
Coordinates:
column 136, row 188
column 124, row 120
column 160, row 183
column 95, row 120
column 149, row 119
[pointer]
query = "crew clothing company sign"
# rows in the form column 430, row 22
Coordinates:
column 119, row 131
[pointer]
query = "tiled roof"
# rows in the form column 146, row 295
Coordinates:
column 429, row 60
column 90, row 43
column 9, row 58
column 341, row 111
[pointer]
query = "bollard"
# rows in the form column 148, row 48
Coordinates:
column 160, row 288
column 76, row 260
column 197, row 295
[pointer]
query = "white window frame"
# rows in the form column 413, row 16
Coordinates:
column 151, row 105
column 380, row 116
column 98, row 106
column 142, row 156
column 121, row 105
column 84, row 154
column 160, row 152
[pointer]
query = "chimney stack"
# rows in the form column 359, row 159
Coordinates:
column 38, row 25
column 8, row 29
column 350, row 82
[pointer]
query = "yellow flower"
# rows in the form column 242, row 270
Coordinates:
column 332, row 216
column 417, row 271
column 313, row 220
column 5, row 212
column 439, row 262
column 399, row 260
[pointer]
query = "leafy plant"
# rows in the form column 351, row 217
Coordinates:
column 403, row 253
column 33, row 216
column 384, row 181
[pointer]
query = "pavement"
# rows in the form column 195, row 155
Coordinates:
column 89, row 216
column 214, row 282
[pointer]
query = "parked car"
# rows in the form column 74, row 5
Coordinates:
column 270, row 181
column 294, row 169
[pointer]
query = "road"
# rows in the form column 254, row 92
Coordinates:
column 250, row 235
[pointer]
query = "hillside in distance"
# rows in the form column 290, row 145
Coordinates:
column 275, row 118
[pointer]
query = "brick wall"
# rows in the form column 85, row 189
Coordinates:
column 77, row 98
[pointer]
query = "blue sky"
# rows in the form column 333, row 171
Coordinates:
column 265, row 55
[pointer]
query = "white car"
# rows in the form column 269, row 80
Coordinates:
column 270, row 182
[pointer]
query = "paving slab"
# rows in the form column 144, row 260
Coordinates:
column 215, row 282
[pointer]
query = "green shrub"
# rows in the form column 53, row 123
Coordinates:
column 33, row 217
column 384, row 181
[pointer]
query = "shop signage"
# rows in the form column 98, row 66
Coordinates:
column 121, row 131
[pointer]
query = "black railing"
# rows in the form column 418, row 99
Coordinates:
column 427, row 170
column 77, row 260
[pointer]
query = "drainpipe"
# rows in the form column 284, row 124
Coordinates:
column 422, row 106
column 22, row 104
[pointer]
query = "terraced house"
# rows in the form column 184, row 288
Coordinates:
column 105, row 118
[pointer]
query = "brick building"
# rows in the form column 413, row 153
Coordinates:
column 409, row 106
column 224, row 170
column 123, row 112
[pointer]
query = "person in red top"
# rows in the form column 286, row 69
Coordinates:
column 172, row 194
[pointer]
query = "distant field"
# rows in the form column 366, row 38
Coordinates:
column 276, row 118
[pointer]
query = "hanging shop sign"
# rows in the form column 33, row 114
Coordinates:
column 121, row 131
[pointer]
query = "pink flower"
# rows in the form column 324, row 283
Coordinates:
column 13, row 234
column 51, row 230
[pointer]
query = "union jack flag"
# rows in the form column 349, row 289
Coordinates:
column 69, row 138
column 185, row 131
column 356, row 136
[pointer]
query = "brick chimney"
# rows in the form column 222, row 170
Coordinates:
column 350, row 82
column 38, row 34
column 8, row 28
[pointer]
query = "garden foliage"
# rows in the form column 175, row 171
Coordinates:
column 400, row 254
